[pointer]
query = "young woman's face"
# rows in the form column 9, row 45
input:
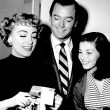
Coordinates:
column 23, row 39
column 88, row 55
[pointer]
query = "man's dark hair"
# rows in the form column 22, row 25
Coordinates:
column 67, row 3
column 63, row 3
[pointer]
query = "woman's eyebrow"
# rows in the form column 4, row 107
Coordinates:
column 23, row 31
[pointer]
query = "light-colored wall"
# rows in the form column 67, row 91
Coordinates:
column 7, row 8
column 45, row 6
column 99, row 15
column 98, row 11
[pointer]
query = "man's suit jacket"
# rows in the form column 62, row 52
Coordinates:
column 45, row 54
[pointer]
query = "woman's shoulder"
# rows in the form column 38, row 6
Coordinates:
column 81, row 84
column 5, row 60
column 81, row 80
column 8, row 59
column 14, row 62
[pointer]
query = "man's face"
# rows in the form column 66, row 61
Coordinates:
column 62, row 21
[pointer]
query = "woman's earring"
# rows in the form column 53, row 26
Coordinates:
column 10, row 43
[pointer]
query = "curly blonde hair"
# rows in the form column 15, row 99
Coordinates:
column 8, row 23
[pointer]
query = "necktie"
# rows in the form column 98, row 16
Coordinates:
column 63, row 68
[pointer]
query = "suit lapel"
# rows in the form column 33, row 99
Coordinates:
column 50, row 59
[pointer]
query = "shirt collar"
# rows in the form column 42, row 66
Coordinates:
column 56, row 42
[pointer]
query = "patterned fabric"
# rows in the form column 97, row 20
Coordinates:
column 94, row 99
column 63, row 68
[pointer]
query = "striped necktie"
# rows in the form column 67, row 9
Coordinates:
column 63, row 68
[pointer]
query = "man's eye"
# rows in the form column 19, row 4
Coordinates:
column 89, row 53
column 56, row 18
column 68, row 20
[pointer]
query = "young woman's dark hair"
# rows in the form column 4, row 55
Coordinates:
column 103, row 47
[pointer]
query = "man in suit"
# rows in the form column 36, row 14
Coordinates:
column 63, row 20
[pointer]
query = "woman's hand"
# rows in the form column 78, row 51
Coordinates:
column 22, row 99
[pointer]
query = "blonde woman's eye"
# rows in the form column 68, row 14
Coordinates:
column 22, row 36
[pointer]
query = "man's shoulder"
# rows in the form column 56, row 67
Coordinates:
column 45, row 33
